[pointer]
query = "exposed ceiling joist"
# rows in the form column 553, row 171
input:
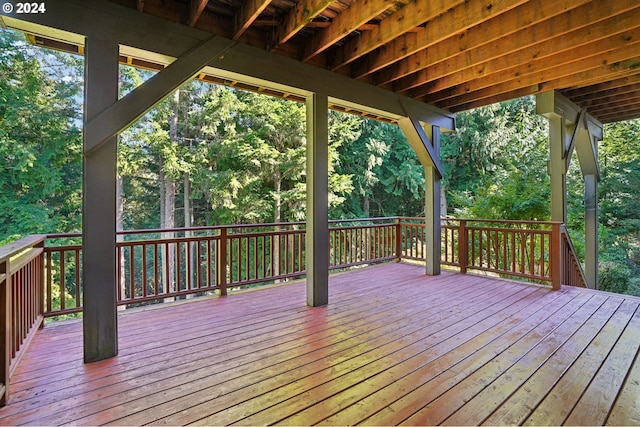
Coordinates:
column 248, row 13
column 297, row 18
column 395, row 25
column 426, row 53
column 196, row 7
column 344, row 24
column 566, row 32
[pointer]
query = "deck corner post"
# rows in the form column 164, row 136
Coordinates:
column 398, row 243
column 463, row 247
column 317, row 233
column 222, row 263
column 556, row 258
column 591, row 230
column 100, row 322
column 6, row 317
column 433, row 235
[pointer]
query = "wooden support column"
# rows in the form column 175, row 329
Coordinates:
column 591, row 230
column 317, row 239
column 557, row 169
column 571, row 128
column 99, row 207
column 433, row 231
column 427, row 148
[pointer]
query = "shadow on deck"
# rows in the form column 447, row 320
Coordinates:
column 393, row 347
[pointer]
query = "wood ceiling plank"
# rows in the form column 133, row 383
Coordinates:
column 358, row 14
column 444, row 30
column 602, row 89
column 196, row 7
column 630, row 90
column 555, row 78
column 565, row 63
column 614, row 104
column 424, row 53
column 573, row 28
column 567, row 47
column 398, row 23
column 298, row 17
column 619, row 116
column 248, row 13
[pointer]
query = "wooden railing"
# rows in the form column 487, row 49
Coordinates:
column 21, row 302
column 156, row 265
column 573, row 272
column 38, row 280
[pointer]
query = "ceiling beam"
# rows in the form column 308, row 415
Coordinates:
column 567, row 31
column 358, row 14
column 538, row 71
column 248, row 13
column 154, row 39
column 415, row 56
column 196, row 7
column 302, row 14
column 395, row 25
column 568, row 48
column 120, row 115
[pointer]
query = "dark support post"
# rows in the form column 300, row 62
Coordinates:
column 556, row 256
column 463, row 247
column 5, row 329
column 221, row 265
column 591, row 230
column 99, row 207
column 432, row 210
column 398, row 229
column 557, row 169
column 317, row 252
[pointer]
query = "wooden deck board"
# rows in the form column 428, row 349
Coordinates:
column 393, row 347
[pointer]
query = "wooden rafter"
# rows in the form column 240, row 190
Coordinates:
column 196, row 7
column 601, row 89
column 524, row 41
column 546, row 71
column 566, row 48
column 424, row 54
column 502, row 92
column 297, row 18
column 248, row 13
column 394, row 26
column 347, row 22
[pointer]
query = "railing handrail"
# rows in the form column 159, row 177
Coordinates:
column 14, row 248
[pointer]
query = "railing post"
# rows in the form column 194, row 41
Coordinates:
column 6, row 318
column 463, row 247
column 398, row 240
column 41, row 282
column 555, row 256
column 222, row 262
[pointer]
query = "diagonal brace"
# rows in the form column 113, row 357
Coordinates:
column 124, row 112
column 420, row 143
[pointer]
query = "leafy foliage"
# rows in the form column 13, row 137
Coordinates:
column 40, row 144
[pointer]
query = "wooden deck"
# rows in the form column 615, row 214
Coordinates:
column 393, row 347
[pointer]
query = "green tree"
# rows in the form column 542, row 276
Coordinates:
column 40, row 143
